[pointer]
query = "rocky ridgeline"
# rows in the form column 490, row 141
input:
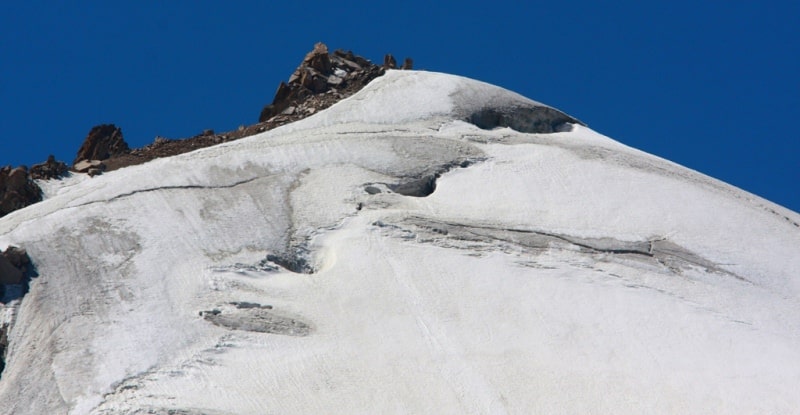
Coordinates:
column 50, row 169
column 18, row 188
column 103, row 142
column 321, row 80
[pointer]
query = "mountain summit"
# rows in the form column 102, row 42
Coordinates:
column 431, row 244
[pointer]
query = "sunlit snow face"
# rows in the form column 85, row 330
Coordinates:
column 386, row 256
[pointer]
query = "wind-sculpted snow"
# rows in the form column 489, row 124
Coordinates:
column 655, row 252
column 388, row 256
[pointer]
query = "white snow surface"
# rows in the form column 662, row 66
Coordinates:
column 547, row 273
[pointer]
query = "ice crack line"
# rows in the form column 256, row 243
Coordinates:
column 176, row 187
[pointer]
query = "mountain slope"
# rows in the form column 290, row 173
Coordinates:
column 299, row 271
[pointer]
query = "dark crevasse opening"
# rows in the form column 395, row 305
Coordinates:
column 295, row 259
column 534, row 119
column 425, row 184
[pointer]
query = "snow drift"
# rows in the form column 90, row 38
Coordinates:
column 302, row 271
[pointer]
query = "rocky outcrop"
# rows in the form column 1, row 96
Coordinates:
column 14, row 263
column 322, row 79
column 103, row 142
column 14, row 270
column 389, row 62
column 17, row 189
column 50, row 169
column 91, row 167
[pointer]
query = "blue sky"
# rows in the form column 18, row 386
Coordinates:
column 710, row 85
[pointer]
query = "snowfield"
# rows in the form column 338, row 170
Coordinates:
column 310, row 269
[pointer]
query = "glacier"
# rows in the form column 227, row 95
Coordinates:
column 389, row 255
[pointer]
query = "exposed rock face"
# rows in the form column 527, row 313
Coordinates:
column 14, row 263
column 389, row 62
column 9, row 274
column 51, row 169
column 103, row 142
column 17, row 190
column 329, row 77
column 14, row 267
column 17, row 186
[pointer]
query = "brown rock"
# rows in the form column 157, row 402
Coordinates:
column 283, row 93
column 18, row 257
column 17, row 178
column 348, row 64
column 17, row 190
column 266, row 113
column 319, row 59
column 84, row 166
column 51, row 169
column 103, row 142
column 389, row 62
column 408, row 64
column 352, row 57
column 321, row 80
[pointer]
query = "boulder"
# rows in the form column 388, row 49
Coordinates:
column 103, row 142
column 84, row 166
column 408, row 64
column 319, row 59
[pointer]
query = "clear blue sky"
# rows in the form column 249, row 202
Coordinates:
column 714, row 86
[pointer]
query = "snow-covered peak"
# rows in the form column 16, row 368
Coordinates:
column 405, row 251
column 412, row 96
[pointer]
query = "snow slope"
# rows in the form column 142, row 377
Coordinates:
column 547, row 273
